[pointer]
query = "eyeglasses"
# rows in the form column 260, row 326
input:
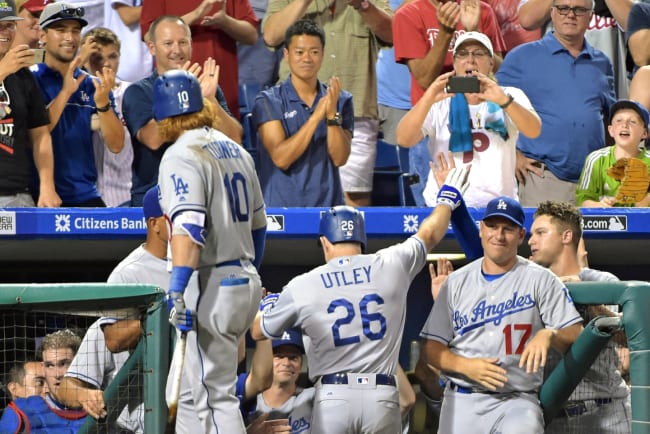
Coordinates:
column 578, row 11
column 478, row 54
column 5, row 101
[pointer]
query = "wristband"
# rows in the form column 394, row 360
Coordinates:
column 180, row 278
column 105, row 108
column 507, row 103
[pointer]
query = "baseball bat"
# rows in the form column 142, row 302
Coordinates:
column 179, row 358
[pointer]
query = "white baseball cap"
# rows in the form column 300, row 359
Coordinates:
column 474, row 36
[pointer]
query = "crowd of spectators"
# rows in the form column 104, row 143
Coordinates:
column 571, row 60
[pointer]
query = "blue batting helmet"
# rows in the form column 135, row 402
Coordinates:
column 176, row 92
column 342, row 224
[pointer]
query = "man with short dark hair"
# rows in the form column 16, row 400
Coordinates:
column 26, row 379
column 78, row 104
column 301, row 148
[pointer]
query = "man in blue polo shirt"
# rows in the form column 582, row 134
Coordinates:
column 305, row 127
column 571, row 86
column 170, row 43
column 77, row 105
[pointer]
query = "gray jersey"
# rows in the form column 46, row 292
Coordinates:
column 603, row 379
column 141, row 266
column 351, row 310
column 206, row 172
column 297, row 409
column 480, row 318
column 96, row 365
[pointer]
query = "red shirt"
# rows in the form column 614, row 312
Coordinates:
column 208, row 41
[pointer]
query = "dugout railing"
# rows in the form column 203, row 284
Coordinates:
column 150, row 359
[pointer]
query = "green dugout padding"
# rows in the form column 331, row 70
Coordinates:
column 634, row 297
column 149, row 360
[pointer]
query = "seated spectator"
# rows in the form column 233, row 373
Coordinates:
column 37, row 413
column 28, row 31
column 78, row 104
column 480, row 129
column 638, row 34
column 305, row 127
column 113, row 169
column 170, row 43
column 26, row 379
column 24, row 120
column 628, row 125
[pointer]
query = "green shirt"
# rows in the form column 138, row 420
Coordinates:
column 594, row 183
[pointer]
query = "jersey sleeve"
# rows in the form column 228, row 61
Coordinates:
column 438, row 326
column 280, row 317
column 93, row 361
column 181, row 185
column 555, row 304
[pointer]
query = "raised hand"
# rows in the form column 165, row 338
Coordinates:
column 470, row 14
column 332, row 97
column 448, row 15
column 16, row 58
column 218, row 17
column 438, row 278
column 209, row 79
column 456, row 183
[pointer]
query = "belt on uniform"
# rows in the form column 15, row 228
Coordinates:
column 233, row 263
column 342, row 378
column 467, row 390
column 576, row 408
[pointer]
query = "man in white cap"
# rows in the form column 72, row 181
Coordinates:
column 479, row 128
column 24, row 123
column 77, row 104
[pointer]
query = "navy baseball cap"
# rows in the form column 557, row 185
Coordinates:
column 59, row 11
column 629, row 104
column 151, row 204
column 505, row 207
column 289, row 337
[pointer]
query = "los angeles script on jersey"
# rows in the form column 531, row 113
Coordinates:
column 484, row 313
column 354, row 276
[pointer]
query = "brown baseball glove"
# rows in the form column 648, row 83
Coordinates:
column 634, row 178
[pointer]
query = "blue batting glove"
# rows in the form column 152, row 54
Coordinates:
column 451, row 192
column 181, row 317
column 269, row 301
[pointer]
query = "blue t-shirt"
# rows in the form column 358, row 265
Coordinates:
column 75, row 175
column 137, row 108
column 313, row 179
column 571, row 95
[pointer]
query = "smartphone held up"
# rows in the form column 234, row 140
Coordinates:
column 466, row 84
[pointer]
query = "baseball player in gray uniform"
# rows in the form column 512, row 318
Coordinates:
column 351, row 312
column 601, row 401
column 212, row 198
column 100, row 355
column 490, row 330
